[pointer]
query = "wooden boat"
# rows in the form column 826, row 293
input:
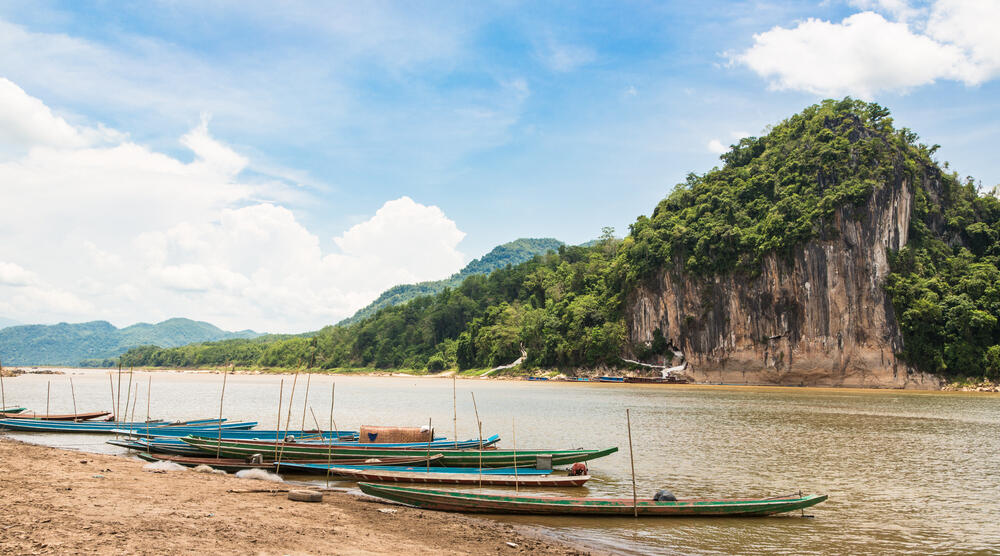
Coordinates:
column 429, row 477
column 538, row 378
column 12, row 410
column 611, row 379
column 54, row 417
column 236, row 464
column 458, row 501
column 654, row 380
column 452, row 458
column 109, row 427
column 245, row 434
column 304, row 465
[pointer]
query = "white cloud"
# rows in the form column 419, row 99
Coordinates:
column 112, row 229
column 14, row 275
column 866, row 53
column 717, row 147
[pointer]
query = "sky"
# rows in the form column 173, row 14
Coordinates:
column 277, row 165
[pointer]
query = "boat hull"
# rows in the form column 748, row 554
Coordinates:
column 452, row 458
column 470, row 479
column 457, row 501
column 234, row 464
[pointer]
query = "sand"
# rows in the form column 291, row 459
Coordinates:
column 66, row 502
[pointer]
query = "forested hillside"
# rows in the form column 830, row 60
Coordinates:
column 99, row 342
column 772, row 194
column 511, row 253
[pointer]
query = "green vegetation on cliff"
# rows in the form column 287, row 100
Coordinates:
column 509, row 254
column 772, row 193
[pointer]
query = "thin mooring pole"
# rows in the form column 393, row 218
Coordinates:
column 288, row 423
column 631, row 457
column 513, row 433
column 277, row 424
column 305, row 402
column 480, row 426
column 454, row 406
column 48, row 393
column 72, row 391
column 218, row 445
column 111, row 382
column 3, row 395
column 149, row 396
column 128, row 393
column 118, row 398
column 329, row 452
column 429, row 440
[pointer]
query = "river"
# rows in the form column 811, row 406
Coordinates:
column 905, row 471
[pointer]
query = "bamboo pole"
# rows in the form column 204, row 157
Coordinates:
column 111, row 382
column 149, row 396
column 454, row 406
column 329, row 452
column 305, row 402
column 118, row 398
column 72, row 390
column 288, row 422
column 128, row 393
column 48, row 393
column 631, row 457
column 218, row 445
column 430, row 439
column 3, row 394
column 513, row 433
column 480, row 425
column 277, row 424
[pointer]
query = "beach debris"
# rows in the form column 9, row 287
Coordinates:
column 259, row 475
column 163, row 467
column 387, row 510
column 97, row 476
column 512, row 544
column 305, row 496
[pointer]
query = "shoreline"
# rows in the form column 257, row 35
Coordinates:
column 97, row 503
column 11, row 371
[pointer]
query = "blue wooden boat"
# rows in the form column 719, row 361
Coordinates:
column 253, row 434
column 31, row 425
column 165, row 445
column 611, row 379
column 322, row 467
column 538, row 378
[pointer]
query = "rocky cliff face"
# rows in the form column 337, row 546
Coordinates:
column 819, row 317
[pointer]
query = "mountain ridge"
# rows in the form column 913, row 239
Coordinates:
column 72, row 344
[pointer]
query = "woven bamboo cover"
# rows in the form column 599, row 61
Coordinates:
column 393, row 435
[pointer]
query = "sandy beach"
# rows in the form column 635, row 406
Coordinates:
column 67, row 502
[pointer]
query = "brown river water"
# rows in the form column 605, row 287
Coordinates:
column 914, row 472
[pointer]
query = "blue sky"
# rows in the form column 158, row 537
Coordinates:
column 509, row 119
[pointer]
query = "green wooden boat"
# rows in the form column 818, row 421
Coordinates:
column 451, row 458
column 458, row 501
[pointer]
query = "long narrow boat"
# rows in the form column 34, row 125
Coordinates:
column 27, row 425
column 452, row 458
column 303, row 465
column 251, row 434
column 471, row 479
column 54, row 417
column 12, row 410
column 235, row 464
column 458, row 501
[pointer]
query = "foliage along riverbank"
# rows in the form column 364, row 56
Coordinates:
column 566, row 309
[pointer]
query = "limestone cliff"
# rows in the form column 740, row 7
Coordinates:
column 819, row 317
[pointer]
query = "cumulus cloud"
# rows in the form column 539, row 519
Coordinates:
column 716, row 146
column 867, row 53
column 113, row 229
